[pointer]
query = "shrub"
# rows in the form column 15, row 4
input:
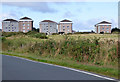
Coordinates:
column 3, row 39
column 39, row 35
column 69, row 33
column 8, row 34
column 31, row 33
column 55, row 34
column 101, row 32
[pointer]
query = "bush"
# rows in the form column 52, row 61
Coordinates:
column 8, row 34
column 101, row 32
column 69, row 33
column 31, row 33
column 3, row 39
column 55, row 34
column 39, row 35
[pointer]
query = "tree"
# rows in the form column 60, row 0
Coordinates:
column 92, row 31
column 36, row 30
column 115, row 30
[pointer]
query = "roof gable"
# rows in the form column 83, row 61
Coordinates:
column 48, row 21
column 65, row 20
column 10, row 20
column 104, row 22
column 25, row 18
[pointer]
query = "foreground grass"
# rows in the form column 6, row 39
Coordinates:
column 111, row 72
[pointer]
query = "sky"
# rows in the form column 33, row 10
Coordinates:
column 84, row 15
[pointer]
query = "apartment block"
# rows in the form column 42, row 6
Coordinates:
column 65, row 26
column 103, row 26
column 10, row 25
column 48, row 27
column 25, row 24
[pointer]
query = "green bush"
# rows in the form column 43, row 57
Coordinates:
column 55, row 34
column 8, row 34
column 69, row 33
column 39, row 35
column 31, row 33
column 83, row 50
column 3, row 39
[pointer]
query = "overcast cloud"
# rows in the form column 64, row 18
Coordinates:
column 35, row 6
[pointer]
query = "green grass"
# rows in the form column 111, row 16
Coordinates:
column 90, row 52
column 111, row 72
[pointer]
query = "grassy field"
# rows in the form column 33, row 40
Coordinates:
column 96, row 53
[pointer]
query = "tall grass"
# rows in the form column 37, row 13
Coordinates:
column 85, row 50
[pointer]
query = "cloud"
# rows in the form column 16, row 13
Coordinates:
column 10, row 15
column 68, row 14
column 35, row 6
column 88, row 25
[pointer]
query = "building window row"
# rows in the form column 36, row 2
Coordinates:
column 27, row 28
column 12, row 30
column 64, row 26
column 27, row 24
column 105, row 25
column 9, row 27
column 106, row 28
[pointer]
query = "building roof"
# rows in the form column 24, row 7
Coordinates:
column 10, row 20
column 104, row 22
column 48, row 21
column 25, row 18
column 65, row 20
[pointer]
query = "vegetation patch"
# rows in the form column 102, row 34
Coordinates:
column 91, row 52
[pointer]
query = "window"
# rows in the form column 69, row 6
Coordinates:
column 107, row 28
column 23, row 30
column 103, row 28
column 28, row 27
column 67, row 26
column 12, row 27
column 23, row 27
column 15, row 27
column 63, row 29
column 6, row 27
column 23, row 24
column 50, row 26
column 103, row 25
column 46, row 26
column 9, row 30
column 9, row 27
column 12, row 30
column 63, row 26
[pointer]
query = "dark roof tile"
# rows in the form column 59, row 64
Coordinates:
column 25, row 18
column 10, row 20
column 104, row 22
column 48, row 21
column 65, row 20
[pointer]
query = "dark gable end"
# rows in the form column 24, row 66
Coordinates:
column 65, row 20
column 25, row 18
column 104, row 22
column 48, row 21
column 10, row 20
